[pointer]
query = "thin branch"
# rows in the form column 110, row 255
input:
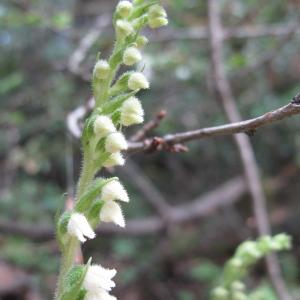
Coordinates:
column 243, row 143
column 241, row 32
column 148, row 127
column 148, row 189
column 247, row 126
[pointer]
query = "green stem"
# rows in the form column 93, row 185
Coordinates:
column 70, row 249
column 67, row 260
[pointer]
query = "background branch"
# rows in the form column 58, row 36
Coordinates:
column 243, row 144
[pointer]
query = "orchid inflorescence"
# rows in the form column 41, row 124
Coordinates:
column 116, row 106
column 247, row 255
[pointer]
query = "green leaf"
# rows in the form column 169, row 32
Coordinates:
column 116, row 103
column 93, row 214
column 94, row 190
column 121, row 85
column 73, row 282
column 62, row 227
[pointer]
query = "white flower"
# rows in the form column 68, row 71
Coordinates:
column 141, row 41
column 157, row 16
column 124, row 28
column 99, row 295
column 158, row 22
column 114, row 190
column 156, row 11
column 124, row 8
column 132, row 112
column 101, row 69
column 112, row 212
column 131, row 56
column 115, row 142
column 138, row 81
column 115, row 159
column 99, row 279
column 79, row 226
column 103, row 125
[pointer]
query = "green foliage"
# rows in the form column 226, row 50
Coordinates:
column 73, row 282
column 247, row 254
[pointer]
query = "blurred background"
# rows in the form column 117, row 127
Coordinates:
column 48, row 49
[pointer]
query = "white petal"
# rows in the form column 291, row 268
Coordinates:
column 79, row 226
column 98, row 277
column 112, row 212
column 138, row 81
column 103, row 125
column 99, row 295
column 114, row 190
column 115, row 142
column 115, row 159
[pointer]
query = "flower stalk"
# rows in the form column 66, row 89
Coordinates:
column 98, row 199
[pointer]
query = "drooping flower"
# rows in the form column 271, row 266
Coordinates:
column 115, row 159
column 98, row 282
column 132, row 112
column 158, row 22
column 101, row 69
column 115, row 142
column 112, row 212
column 138, row 81
column 103, row 126
column 131, row 56
column 114, row 190
column 157, row 17
column 79, row 226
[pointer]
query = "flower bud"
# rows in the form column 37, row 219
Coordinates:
column 138, row 81
column 239, row 296
column 282, row 241
column 158, row 22
column 78, row 226
column 131, row 56
column 141, row 41
column 112, row 212
column 238, row 286
column 124, row 28
column 115, row 159
column 101, row 69
column 115, row 142
column 114, row 190
column 220, row 293
column 156, row 11
column 235, row 263
column 249, row 252
column 124, row 8
column 103, row 126
column 132, row 112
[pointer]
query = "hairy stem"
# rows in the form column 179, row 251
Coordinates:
column 70, row 249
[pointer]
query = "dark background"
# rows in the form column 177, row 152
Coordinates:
column 39, row 160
